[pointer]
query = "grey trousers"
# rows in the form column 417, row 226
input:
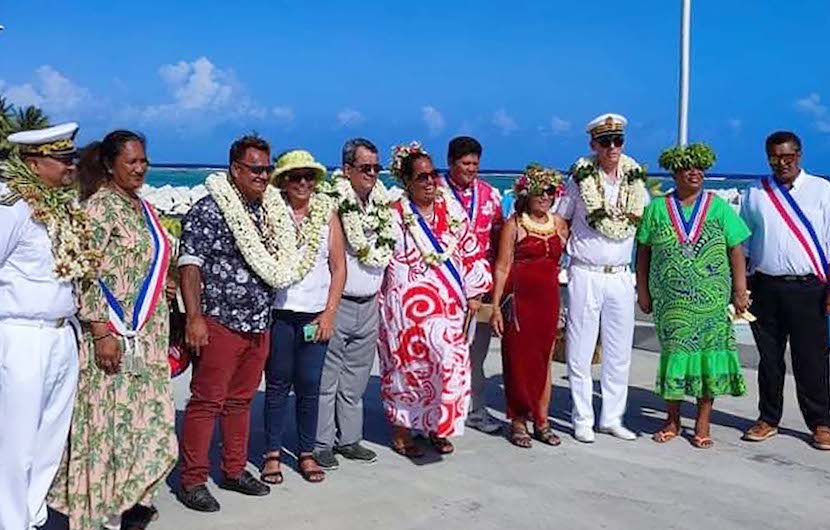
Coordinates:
column 478, row 353
column 346, row 373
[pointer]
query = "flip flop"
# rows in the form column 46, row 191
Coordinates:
column 702, row 442
column 664, row 436
column 271, row 477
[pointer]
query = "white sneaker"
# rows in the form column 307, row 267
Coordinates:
column 482, row 421
column 619, row 431
column 584, row 434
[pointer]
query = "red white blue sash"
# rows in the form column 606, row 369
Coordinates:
column 688, row 231
column 152, row 289
column 447, row 271
column 472, row 209
column 798, row 223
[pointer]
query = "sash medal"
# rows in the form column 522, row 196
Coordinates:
column 457, row 285
column 688, row 232
column 798, row 223
column 152, row 289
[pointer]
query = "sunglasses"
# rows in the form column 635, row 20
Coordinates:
column 256, row 170
column 606, row 141
column 300, row 176
column 422, row 178
column 787, row 158
column 550, row 190
column 368, row 168
column 70, row 160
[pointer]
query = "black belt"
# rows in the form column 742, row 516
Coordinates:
column 788, row 277
column 359, row 299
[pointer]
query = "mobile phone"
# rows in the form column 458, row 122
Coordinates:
column 310, row 331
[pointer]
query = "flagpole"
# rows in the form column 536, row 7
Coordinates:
column 683, row 111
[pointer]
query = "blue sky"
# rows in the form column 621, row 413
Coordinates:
column 524, row 76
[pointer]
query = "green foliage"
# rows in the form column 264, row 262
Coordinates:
column 697, row 156
column 14, row 119
column 173, row 225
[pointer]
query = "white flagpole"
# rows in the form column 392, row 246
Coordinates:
column 683, row 111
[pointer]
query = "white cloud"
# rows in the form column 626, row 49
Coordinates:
column 504, row 121
column 283, row 115
column 433, row 118
column 559, row 126
column 50, row 90
column 812, row 106
column 350, row 117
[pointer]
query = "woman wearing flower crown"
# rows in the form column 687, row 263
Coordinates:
column 527, row 268
column 309, row 239
column 689, row 265
column 428, row 298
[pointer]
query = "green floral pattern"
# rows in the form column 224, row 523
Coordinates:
column 690, row 295
column 123, row 442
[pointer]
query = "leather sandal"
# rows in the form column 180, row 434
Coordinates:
column 271, row 477
column 404, row 445
column 520, row 437
column 442, row 445
column 311, row 475
column 544, row 433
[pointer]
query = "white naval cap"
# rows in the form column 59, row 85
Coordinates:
column 58, row 140
column 606, row 124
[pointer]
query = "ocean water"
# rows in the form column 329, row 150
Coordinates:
column 502, row 180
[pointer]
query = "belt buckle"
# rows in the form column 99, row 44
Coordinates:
column 608, row 269
column 60, row 322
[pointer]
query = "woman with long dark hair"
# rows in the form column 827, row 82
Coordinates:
column 122, row 442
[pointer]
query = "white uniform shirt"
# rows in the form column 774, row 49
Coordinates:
column 28, row 285
column 585, row 244
column 773, row 248
column 310, row 294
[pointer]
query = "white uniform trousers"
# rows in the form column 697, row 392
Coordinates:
column 599, row 302
column 38, row 377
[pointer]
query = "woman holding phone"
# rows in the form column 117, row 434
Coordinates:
column 309, row 239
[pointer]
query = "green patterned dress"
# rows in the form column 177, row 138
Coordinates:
column 123, row 442
column 690, row 295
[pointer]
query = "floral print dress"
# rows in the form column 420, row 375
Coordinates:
column 122, row 442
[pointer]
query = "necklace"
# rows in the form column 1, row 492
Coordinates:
column 544, row 229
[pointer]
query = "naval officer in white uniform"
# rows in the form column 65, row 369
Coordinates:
column 38, row 348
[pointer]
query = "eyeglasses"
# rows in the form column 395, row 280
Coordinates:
column 300, row 176
column 256, row 170
column 786, row 158
column 606, row 141
column 368, row 168
column 550, row 190
column 422, row 178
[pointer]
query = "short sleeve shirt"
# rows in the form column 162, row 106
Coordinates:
column 232, row 293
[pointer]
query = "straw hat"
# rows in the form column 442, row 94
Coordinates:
column 297, row 159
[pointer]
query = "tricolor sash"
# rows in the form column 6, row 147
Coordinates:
column 472, row 209
column 447, row 271
column 152, row 289
column 688, row 232
column 798, row 223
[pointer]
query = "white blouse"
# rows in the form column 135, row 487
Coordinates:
column 310, row 294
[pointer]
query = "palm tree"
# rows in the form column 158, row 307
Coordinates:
column 30, row 118
column 6, row 115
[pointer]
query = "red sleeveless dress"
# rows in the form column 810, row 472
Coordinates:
column 530, row 327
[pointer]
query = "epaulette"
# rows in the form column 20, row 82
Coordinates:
column 9, row 199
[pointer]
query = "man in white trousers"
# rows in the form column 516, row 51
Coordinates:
column 603, row 202
column 38, row 347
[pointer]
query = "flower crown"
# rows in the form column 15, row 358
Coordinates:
column 400, row 153
column 697, row 156
column 536, row 179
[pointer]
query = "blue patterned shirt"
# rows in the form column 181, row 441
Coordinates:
column 232, row 292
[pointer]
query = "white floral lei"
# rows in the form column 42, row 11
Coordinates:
column 425, row 247
column 618, row 221
column 375, row 219
column 274, row 253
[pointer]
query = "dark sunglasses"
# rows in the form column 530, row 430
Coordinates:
column 422, row 178
column 256, row 170
column 787, row 158
column 368, row 168
column 300, row 176
column 550, row 190
column 606, row 141
column 70, row 160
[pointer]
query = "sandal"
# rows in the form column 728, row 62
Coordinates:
column 311, row 475
column 271, row 477
column 442, row 445
column 702, row 442
column 546, row 435
column 520, row 437
column 403, row 444
column 664, row 435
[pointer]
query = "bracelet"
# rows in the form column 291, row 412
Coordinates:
column 104, row 336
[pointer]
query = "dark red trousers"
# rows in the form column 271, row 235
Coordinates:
column 226, row 375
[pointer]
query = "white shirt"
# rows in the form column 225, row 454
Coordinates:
column 773, row 248
column 28, row 285
column 310, row 294
column 585, row 244
column 362, row 280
